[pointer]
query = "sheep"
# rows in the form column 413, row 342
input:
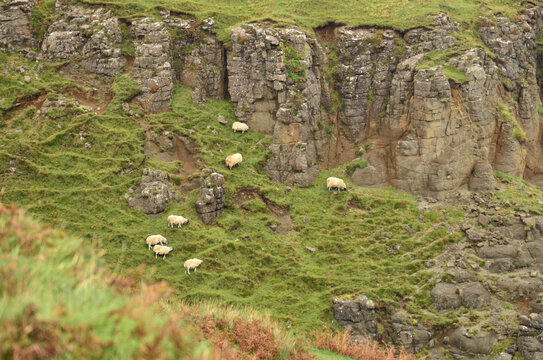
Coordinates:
column 239, row 126
column 233, row 160
column 155, row 239
column 162, row 250
column 336, row 183
column 177, row 220
column 192, row 264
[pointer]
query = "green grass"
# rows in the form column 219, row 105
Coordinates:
column 57, row 299
column 518, row 195
column 22, row 79
column 399, row 14
column 361, row 243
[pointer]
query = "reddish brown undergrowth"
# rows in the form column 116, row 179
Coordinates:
column 342, row 343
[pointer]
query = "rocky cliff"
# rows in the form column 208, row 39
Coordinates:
column 431, row 109
column 434, row 105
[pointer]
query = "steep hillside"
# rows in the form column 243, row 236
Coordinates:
column 59, row 300
column 430, row 111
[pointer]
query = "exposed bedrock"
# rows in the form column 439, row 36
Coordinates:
column 440, row 114
column 274, row 81
column 15, row 31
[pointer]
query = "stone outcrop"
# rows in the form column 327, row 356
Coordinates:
column 15, row 32
column 199, row 57
column 153, row 194
column 358, row 315
column 275, row 84
column 361, row 317
column 90, row 39
column 211, row 202
column 152, row 68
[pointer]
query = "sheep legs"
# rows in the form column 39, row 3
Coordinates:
column 156, row 257
column 164, row 257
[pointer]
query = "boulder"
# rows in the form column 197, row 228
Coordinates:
column 473, row 341
column 446, row 296
column 482, row 178
column 358, row 315
column 474, row 295
column 211, row 202
column 153, row 194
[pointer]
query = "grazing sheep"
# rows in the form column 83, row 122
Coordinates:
column 336, row 183
column 233, row 160
column 177, row 220
column 239, row 126
column 162, row 250
column 155, row 239
column 192, row 264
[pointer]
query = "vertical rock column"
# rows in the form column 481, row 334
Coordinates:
column 15, row 24
column 152, row 69
column 211, row 202
column 275, row 84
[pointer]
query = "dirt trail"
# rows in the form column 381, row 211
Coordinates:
column 282, row 214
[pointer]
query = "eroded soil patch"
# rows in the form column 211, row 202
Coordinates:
column 242, row 195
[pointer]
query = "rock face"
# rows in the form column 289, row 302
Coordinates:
column 211, row 202
column 437, row 132
column 198, row 57
column 152, row 68
column 275, row 84
column 358, row 315
column 15, row 30
column 90, row 39
column 361, row 317
column 153, row 194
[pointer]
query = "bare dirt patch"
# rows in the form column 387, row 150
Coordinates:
column 242, row 195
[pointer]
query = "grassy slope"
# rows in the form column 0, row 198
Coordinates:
column 58, row 300
column 308, row 14
column 360, row 236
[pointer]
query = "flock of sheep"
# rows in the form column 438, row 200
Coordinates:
column 235, row 159
column 158, row 242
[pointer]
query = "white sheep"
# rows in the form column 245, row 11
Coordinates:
column 239, row 126
column 155, row 239
column 335, row 183
column 233, row 160
column 177, row 220
column 192, row 264
column 162, row 250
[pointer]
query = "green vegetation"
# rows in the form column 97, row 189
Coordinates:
column 361, row 243
column 124, row 89
column 518, row 194
column 295, row 70
column 355, row 164
column 518, row 132
column 454, row 74
column 399, row 14
column 21, row 80
column 69, row 305
column 66, row 305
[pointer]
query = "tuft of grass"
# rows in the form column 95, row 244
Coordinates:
column 355, row 164
column 454, row 74
column 518, row 132
column 124, row 89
